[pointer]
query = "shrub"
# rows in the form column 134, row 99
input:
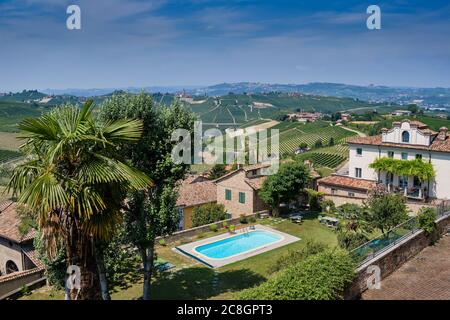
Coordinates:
column 162, row 242
column 323, row 276
column 231, row 228
column 386, row 210
column 243, row 219
column 200, row 236
column 349, row 210
column 328, row 205
column 213, row 227
column 294, row 256
column 252, row 219
column 225, row 225
column 427, row 218
column 314, row 199
column 350, row 240
column 208, row 213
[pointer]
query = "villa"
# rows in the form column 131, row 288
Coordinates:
column 194, row 191
column 409, row 158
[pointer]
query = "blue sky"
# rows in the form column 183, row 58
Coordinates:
column 200, row 42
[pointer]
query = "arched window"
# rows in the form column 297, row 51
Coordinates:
column 405, row 136
column 11, row 267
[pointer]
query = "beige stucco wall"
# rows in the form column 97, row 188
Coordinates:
column 342, row 192
column 10, row 251
column 369, row 155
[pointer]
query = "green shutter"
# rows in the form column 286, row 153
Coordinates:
column 241, row 197
column 227, row 194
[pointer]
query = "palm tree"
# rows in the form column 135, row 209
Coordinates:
column 75, row 180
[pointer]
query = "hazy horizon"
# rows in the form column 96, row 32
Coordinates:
column 176, row 43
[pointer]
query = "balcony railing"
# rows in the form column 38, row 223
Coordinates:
column 380, row 244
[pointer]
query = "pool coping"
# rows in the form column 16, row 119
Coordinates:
column 189, row 248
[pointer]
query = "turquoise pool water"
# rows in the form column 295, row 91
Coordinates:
column 238, row 244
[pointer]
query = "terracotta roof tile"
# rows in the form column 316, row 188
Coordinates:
column 20, row 274
column 9, row 224
column 256, row 182
column 193, row 192
column 31, row 253
column 345, row 181
column 436, row 145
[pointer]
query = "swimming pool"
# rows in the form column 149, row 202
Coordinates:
column 241, row 243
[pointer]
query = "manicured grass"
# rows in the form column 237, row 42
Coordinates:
column 10, row 141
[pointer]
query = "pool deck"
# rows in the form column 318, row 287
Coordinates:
column 189, row 249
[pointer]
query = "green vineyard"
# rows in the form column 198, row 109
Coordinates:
column 329, row 157
column 292, row 136
column 8, row 155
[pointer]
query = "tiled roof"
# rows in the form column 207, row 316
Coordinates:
column 256, row 182
column 9, row 225
column 436, row 145
column 20, row 274
column 31, row 253
column 348, row 182
column 193, row 192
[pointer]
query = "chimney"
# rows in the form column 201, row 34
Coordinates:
column 442, row 134
column 383, row 134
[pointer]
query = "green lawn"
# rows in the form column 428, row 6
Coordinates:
column 191, row 280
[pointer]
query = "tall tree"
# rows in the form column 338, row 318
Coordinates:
column 286, row 185
column 386, row 210
column 75, row 180
column 151, row 213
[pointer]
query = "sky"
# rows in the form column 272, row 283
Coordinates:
column 138, row 43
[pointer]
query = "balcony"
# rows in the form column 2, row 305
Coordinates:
column 413, row 193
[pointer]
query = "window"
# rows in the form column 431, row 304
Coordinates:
column 391, row 154
column 419, row 156
column 11, row 267
column 359, row 151
column 351, row 194
column 333, row 191
column 404, row 156
column 227, row 194
column 241, row 197
column 405, row 136
column 403, row 182
column 358, row 172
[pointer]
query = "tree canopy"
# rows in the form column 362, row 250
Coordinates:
column 386, row 210
column 286, row 185
column 424, row 171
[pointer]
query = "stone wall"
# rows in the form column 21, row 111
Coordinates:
column 188, row 234
column 393, row 258
column 12, row 284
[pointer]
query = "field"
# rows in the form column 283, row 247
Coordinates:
column 434, row 123
column 293, row 134
column 329, row 157
column 11, row 113
column 238, row 109
column 9, row 141
column 8, row 155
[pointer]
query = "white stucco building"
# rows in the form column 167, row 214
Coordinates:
column 406, row 140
